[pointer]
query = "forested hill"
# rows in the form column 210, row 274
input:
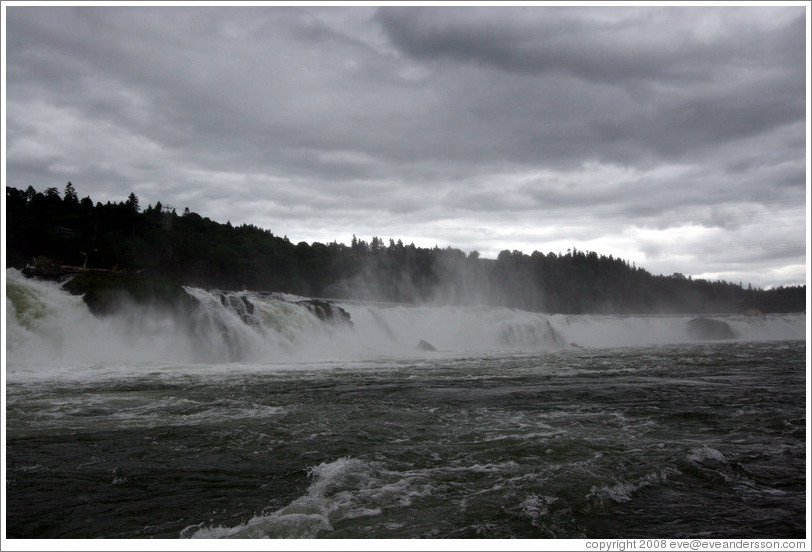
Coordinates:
column 194, row 250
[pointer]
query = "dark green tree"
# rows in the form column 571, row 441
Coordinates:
column 132, row 203
column 70, row 196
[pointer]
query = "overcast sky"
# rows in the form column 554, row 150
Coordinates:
column 673, row 137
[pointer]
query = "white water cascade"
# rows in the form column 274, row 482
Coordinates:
column 47, row 327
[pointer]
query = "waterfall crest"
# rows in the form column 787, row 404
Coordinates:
column 46, row 325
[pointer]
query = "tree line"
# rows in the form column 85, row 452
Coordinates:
column 194, row 250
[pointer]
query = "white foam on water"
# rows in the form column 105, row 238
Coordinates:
column 536, row 507
column 347, row 488
column 706, row 455
column 622, row 491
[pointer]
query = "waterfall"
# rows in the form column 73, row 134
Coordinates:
column 46, row 326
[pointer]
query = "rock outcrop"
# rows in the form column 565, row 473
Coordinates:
column 426, row 346
column 326, row 312
column 105, row 292
column 707, row 329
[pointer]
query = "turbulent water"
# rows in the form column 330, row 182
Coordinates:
column 263, row 416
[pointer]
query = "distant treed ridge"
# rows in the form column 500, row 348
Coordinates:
column 194, row 250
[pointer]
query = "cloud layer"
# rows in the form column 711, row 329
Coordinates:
column 670, row 136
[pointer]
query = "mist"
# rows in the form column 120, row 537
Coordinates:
column 578, row 282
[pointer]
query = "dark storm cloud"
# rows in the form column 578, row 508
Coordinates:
column 638, row 131
column 608, row 44
column 664, row 80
